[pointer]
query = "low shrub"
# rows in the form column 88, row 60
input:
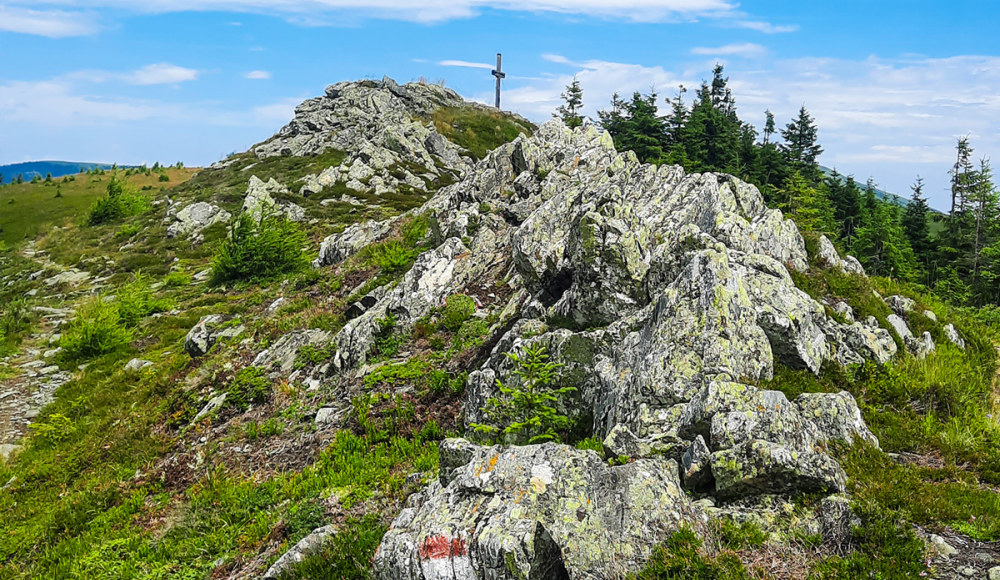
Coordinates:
column 135, row 301
column 96, row 330
column 259, row 252
column 177, row 279
column 250, row 385
column 118, row 202
column 457, row 309
column 681, row 557
column 347, row 556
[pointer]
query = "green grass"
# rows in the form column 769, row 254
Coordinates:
column 477, row 130
column 35, row 209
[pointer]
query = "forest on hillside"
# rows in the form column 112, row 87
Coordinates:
column 958, row 259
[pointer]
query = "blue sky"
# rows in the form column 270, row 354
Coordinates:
column 892, row 83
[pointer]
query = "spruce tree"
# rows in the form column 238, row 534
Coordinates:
column 800, row 147
column 882, row 247
column 915, row 224
column 569, row 111
column 768, row 126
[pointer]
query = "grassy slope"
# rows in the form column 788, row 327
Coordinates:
column 29, row 209
column 93, row 494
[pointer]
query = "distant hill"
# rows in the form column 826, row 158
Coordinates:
column 29, row 169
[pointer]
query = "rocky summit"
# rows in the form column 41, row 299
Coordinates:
column 677, row 292
column 427, row 340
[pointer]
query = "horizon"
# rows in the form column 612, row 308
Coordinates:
column 891, row 90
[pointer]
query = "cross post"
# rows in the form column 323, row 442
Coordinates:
column 499, row 75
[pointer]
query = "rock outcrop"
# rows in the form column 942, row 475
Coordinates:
column 258, row 201
column 541, row 511
column 384, row 128
column 189, row 220
column 209, row 330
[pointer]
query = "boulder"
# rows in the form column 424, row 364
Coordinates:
column 761, row 467
column 214, row 404
column 837, row 521
column 192, row 218
column 209, row 330
column 279, row 358
column 339, row 247
column 770, row 417
column 696, row 468
column 539, row 511
column 836, row 415
column 901, row 305
column 826, row 255
column 953, row 336
column 306, row 546
column 851, row 265
column 257, row 201
column 136, row 365
column 930, row 314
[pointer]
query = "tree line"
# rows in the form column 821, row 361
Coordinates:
column 957, row 254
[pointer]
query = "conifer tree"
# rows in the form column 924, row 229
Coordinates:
column 569, row 111
column 768, row 126
column 808, row 206
column 881, row 245
column 915, row 224
column 800, row 147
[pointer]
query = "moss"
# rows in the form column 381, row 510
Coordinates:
column 478, row 130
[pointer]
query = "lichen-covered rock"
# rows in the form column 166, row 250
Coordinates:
column 837, row 520
column 770, row 417
column 540, row 511
column 759, row 467
column 339, row 247
column 209, row 330
column 279, row 358
column 901, row 305
column 258, row 201
column 836, row 415
column 827, row 255
column 192, row 218
column 953, row 336
column 136, row 365
column 851, row 265
column 930, row 314
column 715, row 398
column 696, row 465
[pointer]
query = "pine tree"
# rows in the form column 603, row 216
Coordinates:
column 800, row 147
column 569, row 111
column 635, row 126
column 915, row 224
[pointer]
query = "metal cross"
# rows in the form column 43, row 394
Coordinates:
column 499, row 75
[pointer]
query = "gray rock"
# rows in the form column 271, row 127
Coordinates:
column 851, row 265
column 844, row 309
column 136, row 365
column 339, row 247
column 274, row 306
column 326, row 415
column 953, row 336
column 192, row 218
column 539, row 511
column 827, row 255
column 770, row 417
column 696, row 468
column 836, row 415
column 7, row 450
column 760, row 467
column 279, row 358
column 994, row 573
column 837, row 520
column 258, row 202
column 930, row 314
column 209, row 330
column 941, row 546
column 210, row 407
column 453, row 454
column 306, row 546
column 901, row 305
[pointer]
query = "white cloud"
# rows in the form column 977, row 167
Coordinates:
column 50, row 23
column 747, row 49
column 257, row 75
column 53, row 103
column 152, row 74
column 889, row 118
column 162, row 74
column 429, row 11
column 766, row 27
column 466, row 64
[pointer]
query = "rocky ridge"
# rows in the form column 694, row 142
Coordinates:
column 676, row 298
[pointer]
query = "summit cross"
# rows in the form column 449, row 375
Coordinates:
column 499, row 75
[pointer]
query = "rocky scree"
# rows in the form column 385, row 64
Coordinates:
column 674, row 294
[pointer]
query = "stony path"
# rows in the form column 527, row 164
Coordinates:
column 35, row 374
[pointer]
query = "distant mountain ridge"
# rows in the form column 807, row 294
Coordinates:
column 29, row 169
